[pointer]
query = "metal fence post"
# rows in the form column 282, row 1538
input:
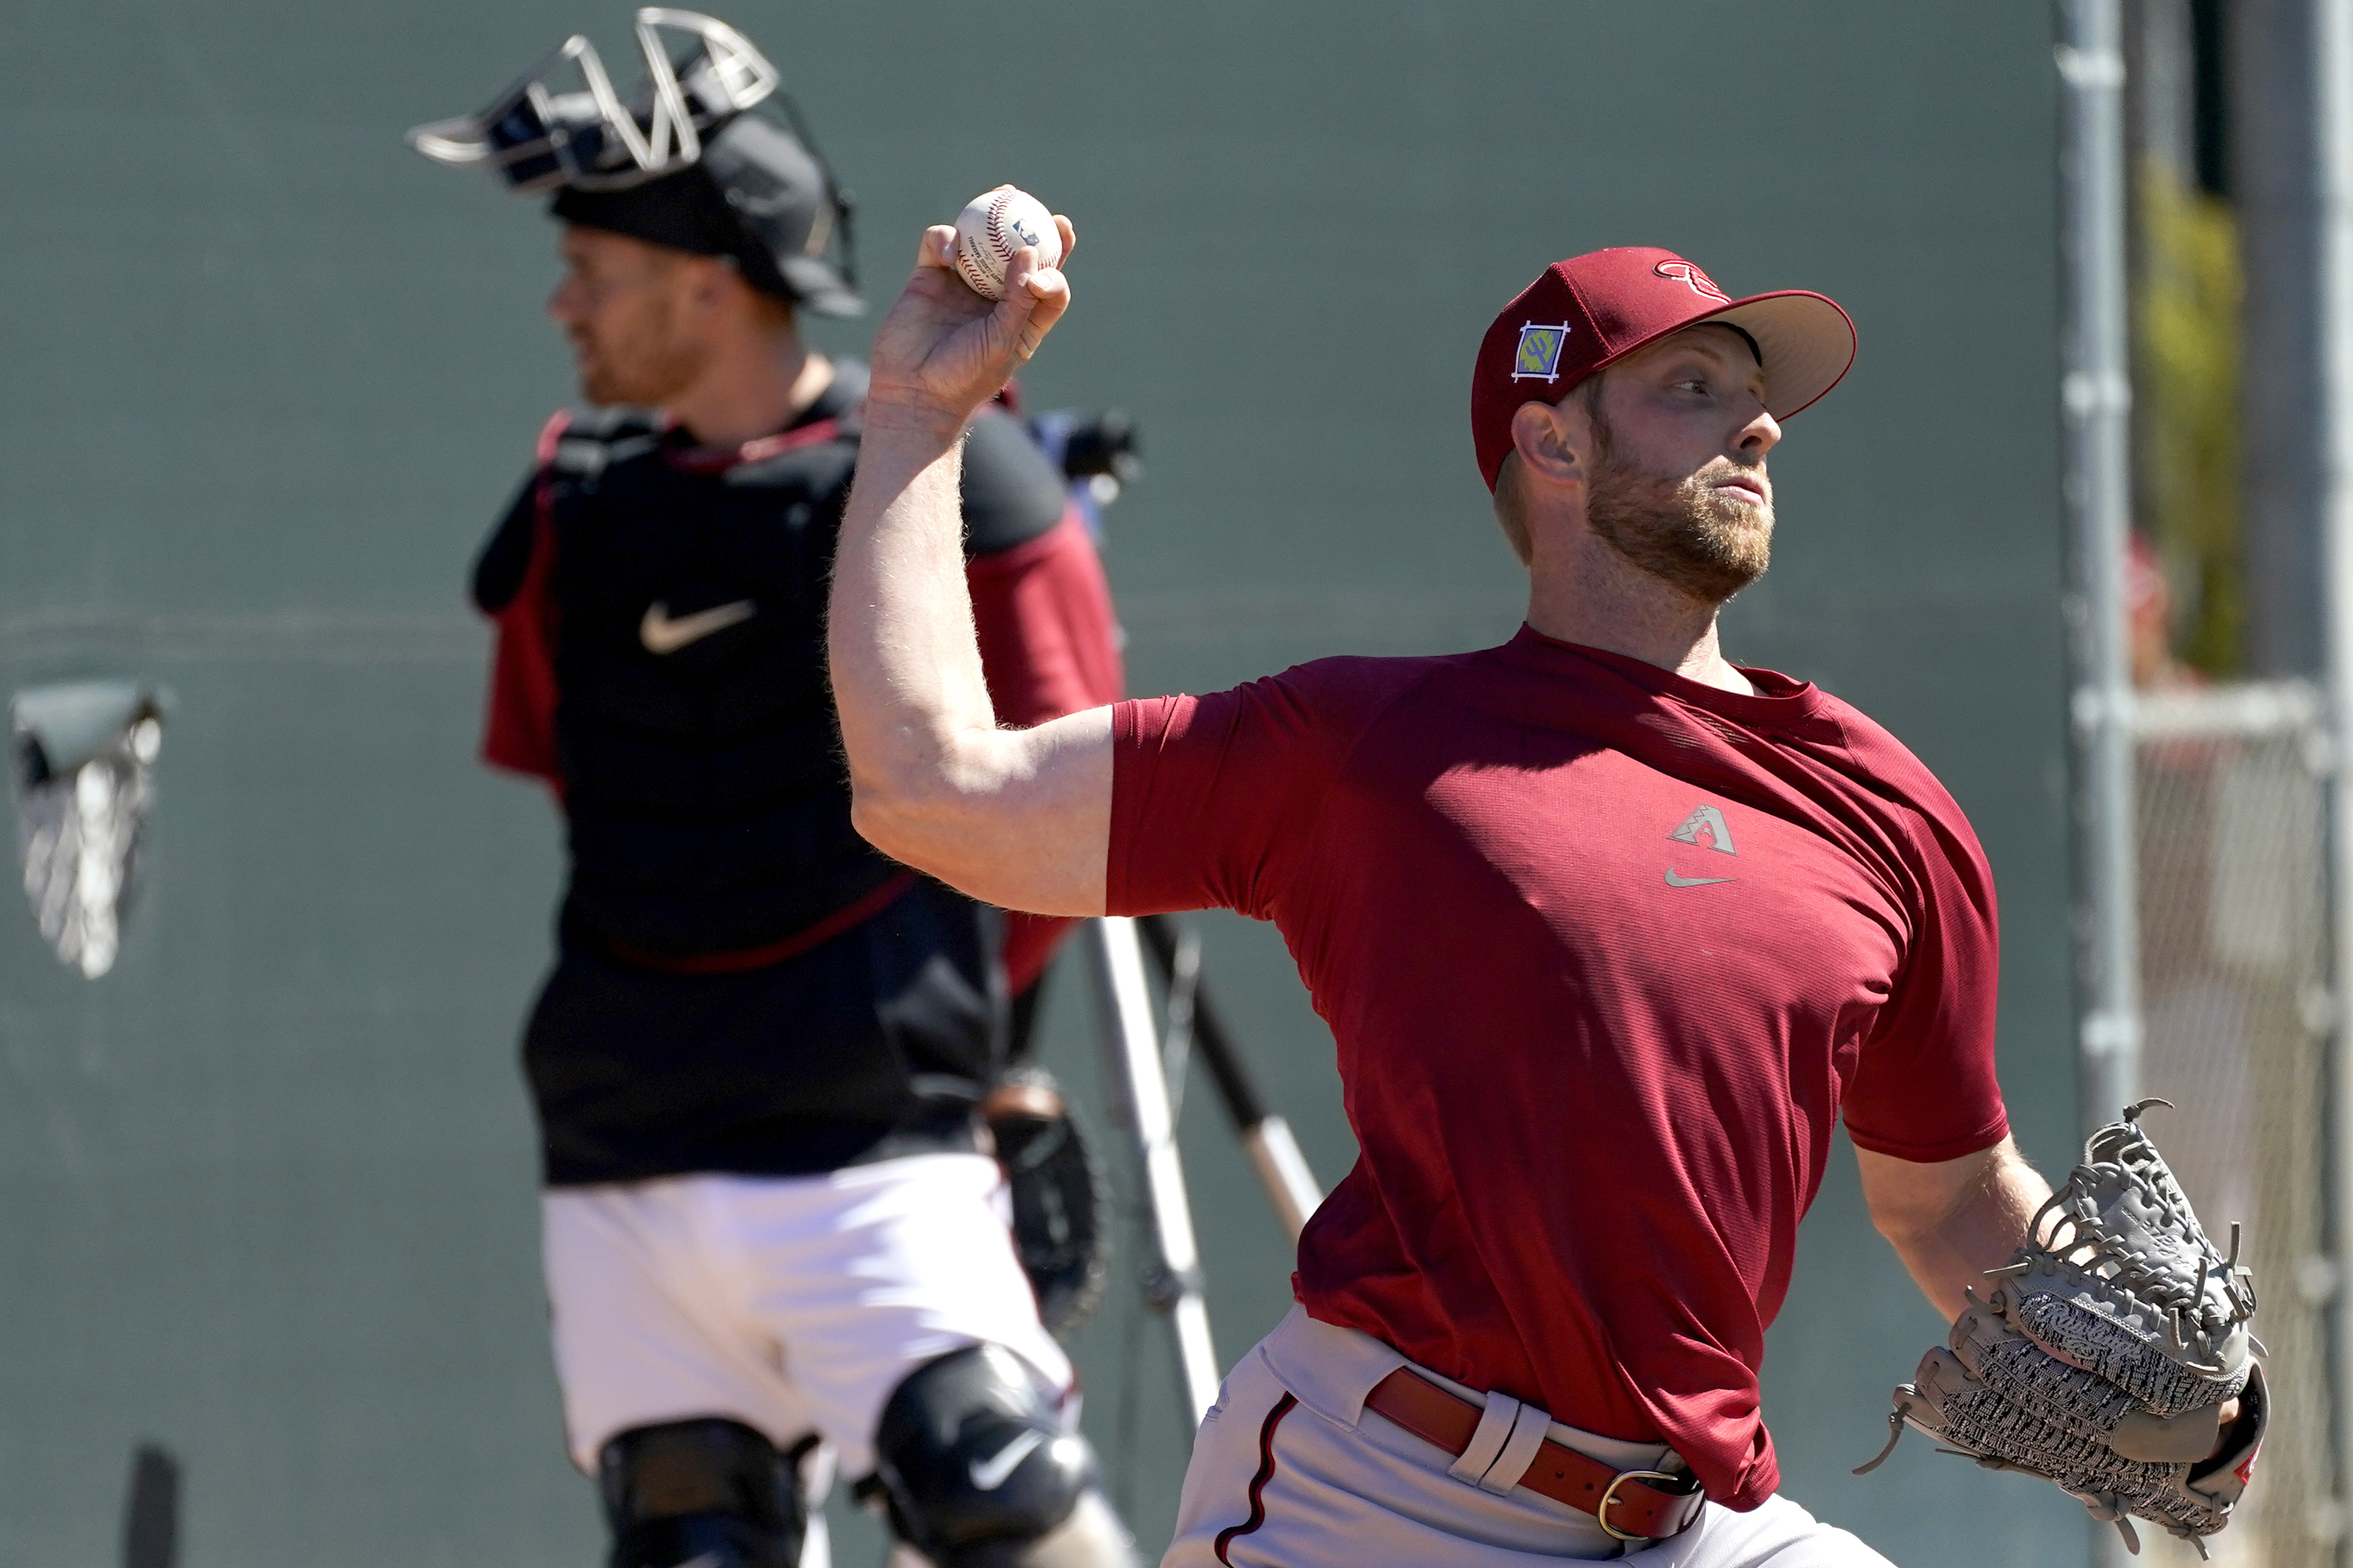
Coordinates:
column 2333, row 116
column 2096, row 393
column 2097, row 399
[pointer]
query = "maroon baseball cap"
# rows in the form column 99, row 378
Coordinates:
column 1589, row 311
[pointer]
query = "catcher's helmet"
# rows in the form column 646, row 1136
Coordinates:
column 682, row 162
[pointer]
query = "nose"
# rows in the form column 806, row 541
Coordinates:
column 1759, row 437
column 564, row 302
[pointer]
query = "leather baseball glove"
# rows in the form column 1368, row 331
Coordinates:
column 2112, row 1355
column 1061, row 1215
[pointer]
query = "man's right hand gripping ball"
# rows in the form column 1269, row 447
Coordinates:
column 943, row 350
column 2113, row 1356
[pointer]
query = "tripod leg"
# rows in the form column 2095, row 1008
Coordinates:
column 1273, row 1153
column 1116, row 960
column 1282, row 1171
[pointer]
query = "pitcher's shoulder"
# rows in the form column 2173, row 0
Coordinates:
column 1889, row 768
column 1351, row 692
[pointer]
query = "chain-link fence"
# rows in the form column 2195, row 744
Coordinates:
column 2233, row 934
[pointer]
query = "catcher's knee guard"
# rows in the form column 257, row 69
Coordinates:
column 977, row 1471
column 711, row 1492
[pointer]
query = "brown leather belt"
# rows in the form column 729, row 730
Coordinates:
column 1625, row 1502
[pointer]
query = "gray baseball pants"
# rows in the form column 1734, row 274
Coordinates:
column 1321, row 1482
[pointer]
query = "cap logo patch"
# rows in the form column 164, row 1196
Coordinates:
column 1539, row 355
column 1700, row 284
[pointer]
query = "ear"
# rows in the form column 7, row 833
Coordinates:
column 1554, row 441
column 711, row 280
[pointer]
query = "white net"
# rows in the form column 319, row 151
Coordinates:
column 2233, row 934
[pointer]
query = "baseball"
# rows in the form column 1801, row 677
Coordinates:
column 992, row 226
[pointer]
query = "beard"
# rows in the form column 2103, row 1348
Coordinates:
column 643, row 365
column 1686, row 532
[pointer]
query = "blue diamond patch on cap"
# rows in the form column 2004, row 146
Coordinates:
column 1539, row 355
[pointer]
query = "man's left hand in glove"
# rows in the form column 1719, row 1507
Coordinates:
column 2113, row 1356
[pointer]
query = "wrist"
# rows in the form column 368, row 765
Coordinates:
column 897, row 416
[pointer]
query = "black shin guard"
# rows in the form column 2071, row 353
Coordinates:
column 979, row 1472
column 711, row 1492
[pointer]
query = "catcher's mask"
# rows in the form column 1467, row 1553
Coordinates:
column 85, row 756
column 681, row 162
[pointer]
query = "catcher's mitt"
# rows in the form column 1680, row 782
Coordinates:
column 2105, row 1355
column 1057, row 1185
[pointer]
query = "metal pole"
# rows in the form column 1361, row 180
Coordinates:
column 1116, row 963
column 2333, row 117
column 1266, row 1137
column 2096, row 397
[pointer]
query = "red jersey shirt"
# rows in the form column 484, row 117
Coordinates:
column 1605, row 952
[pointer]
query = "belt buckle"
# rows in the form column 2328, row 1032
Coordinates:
column 1610, row 1495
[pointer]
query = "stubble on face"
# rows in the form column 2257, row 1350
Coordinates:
column 635, row 352
column 1703, row 541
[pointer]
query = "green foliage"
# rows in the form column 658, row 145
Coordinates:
column 2186, row 399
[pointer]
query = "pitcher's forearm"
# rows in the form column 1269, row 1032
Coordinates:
column 1017, row 817
column 1985, row 1234
column 1949, row 1223
column 906, row 661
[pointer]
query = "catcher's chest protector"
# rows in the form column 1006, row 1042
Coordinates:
column 707, row 806
column 2105, row 1356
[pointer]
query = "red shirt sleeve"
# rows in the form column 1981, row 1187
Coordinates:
column 1924, row 1087
column 519, row 723
column 1048, row 645
column 1214, row 798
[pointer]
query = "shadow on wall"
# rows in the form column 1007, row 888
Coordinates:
column 150, row 1515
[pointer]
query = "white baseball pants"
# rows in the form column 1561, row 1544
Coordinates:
column 793, row 1304
column 1325, row 1483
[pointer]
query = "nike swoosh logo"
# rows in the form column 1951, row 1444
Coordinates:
column 1675, row 882
column 987, row 1475
column 702, row 1560
column 663, row 634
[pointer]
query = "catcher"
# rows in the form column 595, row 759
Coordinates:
column 762, row 1060
column 1610, row 931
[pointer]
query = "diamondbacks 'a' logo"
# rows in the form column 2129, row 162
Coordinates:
column 1705, row 829
column 1699, row 283
column 1539, row 355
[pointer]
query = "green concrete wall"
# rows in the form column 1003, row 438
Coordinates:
column 269, row 375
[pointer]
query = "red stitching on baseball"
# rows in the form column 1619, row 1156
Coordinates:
column 973, row 276
column 996, row 222
column 967, row 264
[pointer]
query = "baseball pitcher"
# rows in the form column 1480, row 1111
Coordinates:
column 1610, row 931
